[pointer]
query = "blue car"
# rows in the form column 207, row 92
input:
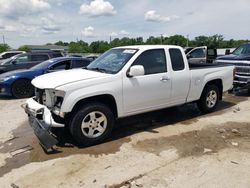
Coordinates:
column 18, row 83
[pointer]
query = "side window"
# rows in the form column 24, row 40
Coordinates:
column 63, row 65
column 153, row 61
column 56, row 55
column 80, row 63
column 39, row 57
column 176, row 59
column 22, row 59
column 198, row 53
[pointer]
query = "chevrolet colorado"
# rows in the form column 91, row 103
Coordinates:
column 123, row 81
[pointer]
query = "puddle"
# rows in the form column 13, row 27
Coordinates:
column 196, row 143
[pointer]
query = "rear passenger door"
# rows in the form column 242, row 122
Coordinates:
column 180, row 76
column 149, row 91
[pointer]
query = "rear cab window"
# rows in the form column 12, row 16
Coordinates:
column 176, row 59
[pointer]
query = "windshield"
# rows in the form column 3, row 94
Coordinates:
column 112, row 61
column 242, row 50
column 43, row 65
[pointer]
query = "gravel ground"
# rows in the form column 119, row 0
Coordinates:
column 177, row 147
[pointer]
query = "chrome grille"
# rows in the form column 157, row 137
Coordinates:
column 243, row 71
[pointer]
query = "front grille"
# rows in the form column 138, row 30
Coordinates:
column 243, row 70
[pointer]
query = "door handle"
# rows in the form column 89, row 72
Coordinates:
column 165, row 78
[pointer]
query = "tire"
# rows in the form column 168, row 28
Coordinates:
column 209, row 99
column 91, row 124
column 22, row 89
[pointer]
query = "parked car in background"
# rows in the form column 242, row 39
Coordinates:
column 27, row 60
column 240, row 58
column 124, row 81
column 9, row 54
column 201, row 55
column 187, row 49
column 92, row 57
column 18, row 83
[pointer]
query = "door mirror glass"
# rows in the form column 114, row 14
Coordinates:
column 14, row 62
column 136, row 70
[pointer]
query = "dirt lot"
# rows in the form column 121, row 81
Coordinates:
column 177, row 147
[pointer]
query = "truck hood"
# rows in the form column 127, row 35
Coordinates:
column 245, row 57
column 56, row 79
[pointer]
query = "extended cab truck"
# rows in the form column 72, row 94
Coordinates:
column 240, row 58
column 122, row 82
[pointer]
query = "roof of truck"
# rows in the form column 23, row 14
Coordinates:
column 140, row 47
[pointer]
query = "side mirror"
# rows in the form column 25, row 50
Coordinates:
column 136, row 70
column 14, row 62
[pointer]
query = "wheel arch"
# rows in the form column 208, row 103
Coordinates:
column 216, row 82
column 106, row 99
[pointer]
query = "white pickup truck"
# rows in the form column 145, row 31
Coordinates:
column 123, row 81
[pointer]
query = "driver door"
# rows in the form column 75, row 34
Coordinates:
column 150, row 91
column 197, row 55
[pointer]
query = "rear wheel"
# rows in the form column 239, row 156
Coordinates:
column 22, row 89
column 209, row 99
column 91, row 124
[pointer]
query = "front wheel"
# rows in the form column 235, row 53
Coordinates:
column 22, row 89
column 209, row 99
column 91, row 124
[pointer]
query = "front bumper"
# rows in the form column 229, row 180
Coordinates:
column 5, row 89
column 41, row 120
column 242, row 82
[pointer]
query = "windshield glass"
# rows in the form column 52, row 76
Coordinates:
column 242, row 50
column 43, row 65
column 112, row 61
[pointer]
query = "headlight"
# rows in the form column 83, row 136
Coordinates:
column 58, row 97
column 5, row 79
column 58, row 100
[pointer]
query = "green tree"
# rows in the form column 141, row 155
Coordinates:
column 24, row 48
column 176, row 40
column 4, row 47
column 61, row 43
column 99, row 46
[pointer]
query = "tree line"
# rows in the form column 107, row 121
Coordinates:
column 215, row 41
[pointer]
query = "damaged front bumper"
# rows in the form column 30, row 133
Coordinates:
column 41, row 120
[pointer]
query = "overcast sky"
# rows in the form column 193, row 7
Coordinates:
column 43, row 21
